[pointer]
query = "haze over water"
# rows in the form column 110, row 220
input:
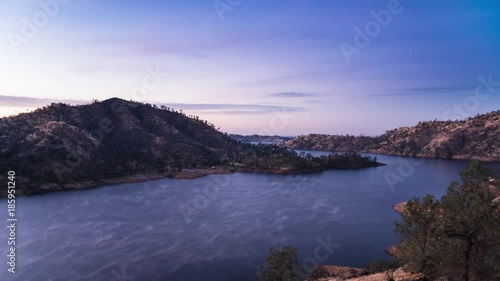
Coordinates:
column 138, row 229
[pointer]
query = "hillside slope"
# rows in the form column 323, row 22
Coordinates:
column 61, row 147
column 62, row 143
column 476, row 138
column 259, row 138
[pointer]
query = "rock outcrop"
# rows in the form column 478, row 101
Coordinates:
column 476, row 138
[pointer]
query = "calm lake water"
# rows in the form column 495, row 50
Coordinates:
column 218, row 227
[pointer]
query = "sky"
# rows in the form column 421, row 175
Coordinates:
column 258, row 66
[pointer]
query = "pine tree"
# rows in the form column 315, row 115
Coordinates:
column 418, row 230
column 471, row 226
column 457, row 238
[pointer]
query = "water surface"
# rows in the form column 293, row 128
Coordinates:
column 218, row 227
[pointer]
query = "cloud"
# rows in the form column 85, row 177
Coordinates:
column 232, row 108
column 292, row 95
column 14, row 101
column 210, row 108
column 396, row 95
column 417, row 91
column 287, row 78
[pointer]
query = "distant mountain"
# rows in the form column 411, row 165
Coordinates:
column 476, row 138
column 64, row 147
column 259, row 138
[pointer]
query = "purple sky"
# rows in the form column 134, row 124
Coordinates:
column 258, row 66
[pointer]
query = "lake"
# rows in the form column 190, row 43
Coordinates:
column 218, row 227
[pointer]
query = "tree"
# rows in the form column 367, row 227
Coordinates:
column 281, row 265
column 457, row 238
column 418, row 229
column 471, row 226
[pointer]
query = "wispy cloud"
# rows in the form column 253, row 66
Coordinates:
column 292, row 95
column 233, row 108
column 286, row 78
column 417, row 91
column 14, row 101
column 138, row 46
column 210, row 108
column 398, row 94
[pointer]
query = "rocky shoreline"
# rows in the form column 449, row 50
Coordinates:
column 342, row 273
column 459, row 157
column 471, row 139
column 379, row 152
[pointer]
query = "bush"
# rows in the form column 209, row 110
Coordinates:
column 281, row 265
column 382, row 265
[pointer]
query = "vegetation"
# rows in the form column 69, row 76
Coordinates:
column 419, row 223
column 382, row 266
column 281, row 265
column 458, row 237
column 59, row 146
column 468, row 139
column 275, row 159
column 259, row 138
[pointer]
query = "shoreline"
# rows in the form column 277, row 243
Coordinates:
column 345, row 273
column 186, row 174
column 456, row 158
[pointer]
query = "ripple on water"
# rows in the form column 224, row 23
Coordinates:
column 139, row 228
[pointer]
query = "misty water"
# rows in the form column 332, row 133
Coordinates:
column 168, row 230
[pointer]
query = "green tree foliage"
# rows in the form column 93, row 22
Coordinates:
column 457, row 238
column 418, row 228
column 281, row 265
column 471, row 226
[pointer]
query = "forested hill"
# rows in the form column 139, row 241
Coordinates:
column 476, row 138
column 260, row 138
column 62, row 143
column 58, row 146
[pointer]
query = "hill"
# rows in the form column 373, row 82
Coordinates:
column 65, row 147
column 259, row 138
column 473, row 139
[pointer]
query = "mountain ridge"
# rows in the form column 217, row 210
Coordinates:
column 61, row 147
column 471, row 139
column 260, row 138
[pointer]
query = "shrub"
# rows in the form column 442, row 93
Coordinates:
column 281, row 265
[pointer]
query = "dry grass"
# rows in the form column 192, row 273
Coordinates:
column 339, row 273
column 399, row 275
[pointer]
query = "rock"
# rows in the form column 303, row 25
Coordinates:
column 471, row 139
column 391, row 251
column 399, row 207
column 327, row 272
